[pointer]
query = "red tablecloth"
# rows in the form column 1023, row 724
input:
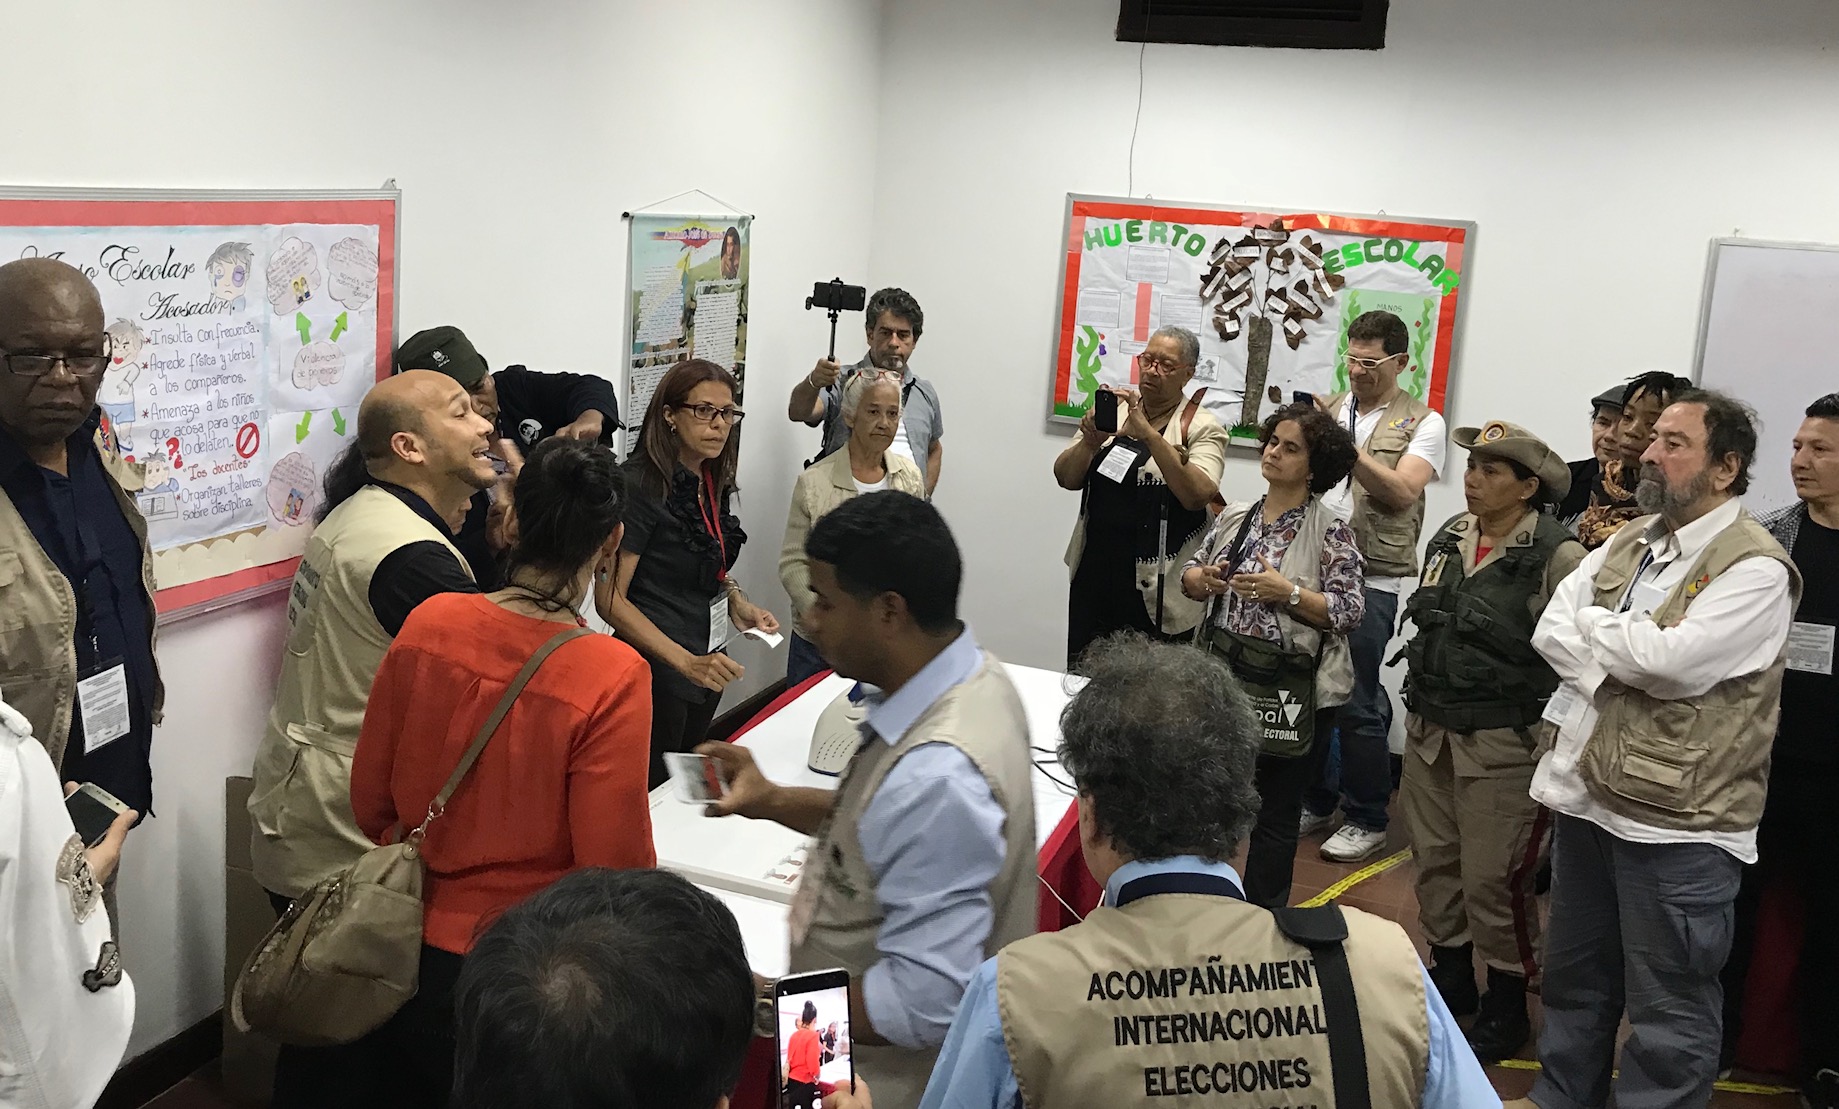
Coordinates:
column 1060, row 864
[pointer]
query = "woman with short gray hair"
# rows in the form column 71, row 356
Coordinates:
column 871, row 409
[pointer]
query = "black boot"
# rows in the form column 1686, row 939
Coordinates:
column 1503, row 1027
column 1452, row 971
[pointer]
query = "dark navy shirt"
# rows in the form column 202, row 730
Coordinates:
column 80, row 525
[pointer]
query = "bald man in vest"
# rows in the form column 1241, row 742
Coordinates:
column 1179, row 987
column 384, row 545
column 1669, row 642
column 924, row 863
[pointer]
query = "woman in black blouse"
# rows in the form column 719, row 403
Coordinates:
column 672, row 596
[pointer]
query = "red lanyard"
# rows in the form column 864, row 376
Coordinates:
column 710, row 507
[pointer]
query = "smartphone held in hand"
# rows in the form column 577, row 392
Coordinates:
column 697, row 779
column 93, row 810
column 811, row 1025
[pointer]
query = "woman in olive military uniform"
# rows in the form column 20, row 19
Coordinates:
column 1475, row 689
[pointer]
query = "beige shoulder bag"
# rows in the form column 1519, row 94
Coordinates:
column 347, row 953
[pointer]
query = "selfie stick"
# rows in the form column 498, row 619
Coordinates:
column 833, row 311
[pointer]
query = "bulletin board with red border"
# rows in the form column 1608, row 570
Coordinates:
column 1244, row 279
column 244, row 328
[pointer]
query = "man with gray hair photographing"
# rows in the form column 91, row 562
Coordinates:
column 1668, row 640
column 1177, row 986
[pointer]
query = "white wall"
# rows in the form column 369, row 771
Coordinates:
column 518, row 133
column 1598, row 146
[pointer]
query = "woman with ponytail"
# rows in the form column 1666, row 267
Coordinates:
column 560, row 786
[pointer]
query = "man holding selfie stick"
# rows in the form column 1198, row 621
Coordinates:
column 924, row 860
column 893, row 326
column 1145, row 464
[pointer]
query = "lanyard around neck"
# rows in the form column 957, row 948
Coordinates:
column 710, row 506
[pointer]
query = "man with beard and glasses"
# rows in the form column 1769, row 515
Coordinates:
column 1669, row 640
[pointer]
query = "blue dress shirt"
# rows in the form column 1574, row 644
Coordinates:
column 932, row 835
column 974, row 1071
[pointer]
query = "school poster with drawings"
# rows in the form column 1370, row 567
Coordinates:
column 238, row 355
column 686, row 282
column 1270, row 296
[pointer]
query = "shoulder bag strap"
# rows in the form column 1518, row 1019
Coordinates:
column 486, row 729
column 1187, row 414
column 1324, row 932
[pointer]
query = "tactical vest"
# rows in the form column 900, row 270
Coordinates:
column 1180, row 994
column 1697, row 764
column 1388, row 537
column 836, row 917
column 302, row 827
column 1471, row 665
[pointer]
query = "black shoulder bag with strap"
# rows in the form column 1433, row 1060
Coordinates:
column 1323, row 931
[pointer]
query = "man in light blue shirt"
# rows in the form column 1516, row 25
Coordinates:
column 1162, row 747
column 924, row 863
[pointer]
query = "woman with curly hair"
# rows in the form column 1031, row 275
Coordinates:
column 1612, row 498
column 1284, row 584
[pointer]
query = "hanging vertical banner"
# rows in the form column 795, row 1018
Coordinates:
column 1269, row 294
column 686, row 281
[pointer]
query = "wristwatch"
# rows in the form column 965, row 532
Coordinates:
column 764, row 1012
column 1296, row 595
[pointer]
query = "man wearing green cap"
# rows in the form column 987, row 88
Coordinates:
column 1475, row 689
column 525, row 407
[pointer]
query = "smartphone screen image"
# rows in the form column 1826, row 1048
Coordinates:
column 1104, row 411
column 695, row 778
column 812, row 1022
column 92, row 810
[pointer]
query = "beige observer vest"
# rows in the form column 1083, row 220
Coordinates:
column 1388, row 538
column 1698, row 764
column 835, row 915
column 303, row 829
column 38, row 614
column 1194, row 995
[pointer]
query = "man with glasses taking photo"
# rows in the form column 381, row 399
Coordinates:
column 1402, row 446
column 75, row 568
column 894, row 325
column 1143, row 500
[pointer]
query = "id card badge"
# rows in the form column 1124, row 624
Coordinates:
column 1117, row 462
column 1566, row 706
column 721, row 629
column 1645, row 597
column 102, row 698
column 1810, row 647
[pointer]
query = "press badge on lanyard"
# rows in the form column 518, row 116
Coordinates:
column 102, row 697
column 721, row 628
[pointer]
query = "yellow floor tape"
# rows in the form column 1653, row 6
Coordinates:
column 1355, row 879
column 1391, row 861
column 1726, row 1086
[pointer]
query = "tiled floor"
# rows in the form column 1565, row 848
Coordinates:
column 1389, row 894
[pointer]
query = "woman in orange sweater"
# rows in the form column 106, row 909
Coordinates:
column 803, row 1059
column 562, row 783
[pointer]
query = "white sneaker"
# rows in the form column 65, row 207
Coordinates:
column 1352, row 844
column 1313, row 822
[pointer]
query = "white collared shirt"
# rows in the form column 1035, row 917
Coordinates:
column 1737, row 625
column 59, row 1043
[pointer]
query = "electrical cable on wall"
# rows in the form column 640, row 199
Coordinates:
column 1130, row 174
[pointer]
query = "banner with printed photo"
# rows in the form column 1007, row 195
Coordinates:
column 686, row 282
column 243, row 334
column 1269, row 294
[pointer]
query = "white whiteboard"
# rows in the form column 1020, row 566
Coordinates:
column 1769, row 334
